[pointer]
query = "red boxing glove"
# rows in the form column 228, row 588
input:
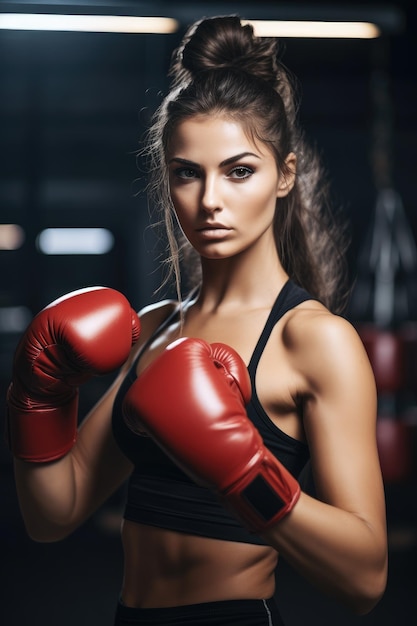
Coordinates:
column 191, row 400
column 82, row 334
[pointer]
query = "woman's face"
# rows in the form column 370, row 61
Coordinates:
column 223, row 185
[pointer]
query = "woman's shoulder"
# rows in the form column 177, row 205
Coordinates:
column 311, row 321
column 319, row 340
column 153, row 315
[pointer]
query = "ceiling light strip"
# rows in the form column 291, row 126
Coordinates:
column 57, row 241
column 88, row 23
column 319, row 29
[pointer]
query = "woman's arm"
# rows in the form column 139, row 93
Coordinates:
column 337, row 541
column 57, row 497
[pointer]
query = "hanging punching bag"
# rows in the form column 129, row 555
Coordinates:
column 384, row 302
column 389, row 341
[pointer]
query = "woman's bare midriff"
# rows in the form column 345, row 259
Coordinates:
column 165, row 568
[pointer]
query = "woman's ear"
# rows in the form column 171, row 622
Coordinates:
column 287, row 180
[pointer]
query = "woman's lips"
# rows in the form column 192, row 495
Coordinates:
column 214, row 232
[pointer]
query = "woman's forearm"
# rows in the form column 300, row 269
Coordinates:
column 336, row 550
column 47, row 497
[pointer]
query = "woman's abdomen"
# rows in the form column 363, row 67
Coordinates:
column 167, row 568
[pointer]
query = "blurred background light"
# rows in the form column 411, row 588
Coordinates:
column 87, row 23
column 75, row 241
column 14, row 319
column 320, row 29
column 12, row 236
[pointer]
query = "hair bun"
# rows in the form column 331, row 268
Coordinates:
column 223, row 42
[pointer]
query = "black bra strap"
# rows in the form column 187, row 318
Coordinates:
column 289, row 297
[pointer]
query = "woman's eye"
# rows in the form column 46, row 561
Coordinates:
column 185, row 172
column 241, row 172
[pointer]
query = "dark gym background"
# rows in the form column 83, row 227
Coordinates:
column 73, row 107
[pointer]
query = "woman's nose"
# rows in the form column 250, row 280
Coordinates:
column 211, row 195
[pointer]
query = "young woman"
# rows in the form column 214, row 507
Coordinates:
column 228, row 392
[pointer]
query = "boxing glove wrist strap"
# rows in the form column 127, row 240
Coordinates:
column 265, row 495
column 43, row 434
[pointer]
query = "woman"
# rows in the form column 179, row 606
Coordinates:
column 242, row 193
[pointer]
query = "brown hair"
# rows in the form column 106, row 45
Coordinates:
column 221, row 67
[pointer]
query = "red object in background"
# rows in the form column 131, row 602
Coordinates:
column 386, row 352
column 395, row 447
column 393, row 357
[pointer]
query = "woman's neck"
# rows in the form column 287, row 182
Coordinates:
column 241, row 282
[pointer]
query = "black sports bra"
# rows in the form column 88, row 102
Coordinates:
column 160, row 494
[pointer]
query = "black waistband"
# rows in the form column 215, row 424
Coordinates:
column 222, row 613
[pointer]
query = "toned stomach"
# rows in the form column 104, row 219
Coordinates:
column 165, row 568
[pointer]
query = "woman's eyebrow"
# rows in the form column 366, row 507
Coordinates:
column 183, row 162
column 228, row 161
column 237, row 157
